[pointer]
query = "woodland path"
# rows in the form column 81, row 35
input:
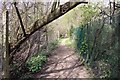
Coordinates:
column 63, row 63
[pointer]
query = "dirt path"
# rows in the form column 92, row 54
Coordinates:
column 63, row 63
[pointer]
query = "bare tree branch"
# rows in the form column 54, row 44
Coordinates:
column 22, row 26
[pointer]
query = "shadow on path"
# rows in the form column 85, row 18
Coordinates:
column 63, row 63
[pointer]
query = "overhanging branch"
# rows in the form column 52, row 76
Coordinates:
column 49, row 18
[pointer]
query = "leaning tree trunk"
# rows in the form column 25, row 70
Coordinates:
column 61, row 10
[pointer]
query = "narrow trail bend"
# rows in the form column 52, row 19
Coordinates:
column 63, row 63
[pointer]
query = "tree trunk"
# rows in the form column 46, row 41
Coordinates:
column 61, row 10
column 6, row 44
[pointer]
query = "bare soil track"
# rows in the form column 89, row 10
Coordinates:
column 63, row 63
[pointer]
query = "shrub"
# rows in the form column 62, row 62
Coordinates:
column 35, row 62
column 52, row 45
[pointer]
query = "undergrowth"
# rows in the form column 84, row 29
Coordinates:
column 103, row 60
column 33, row 64
column 66, row 41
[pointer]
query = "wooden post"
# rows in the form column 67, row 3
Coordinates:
column 6, row 44
column 46, row 33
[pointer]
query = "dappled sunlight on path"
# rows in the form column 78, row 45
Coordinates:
column 63, row 63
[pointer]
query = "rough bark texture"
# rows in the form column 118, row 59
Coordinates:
column 6, row 52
